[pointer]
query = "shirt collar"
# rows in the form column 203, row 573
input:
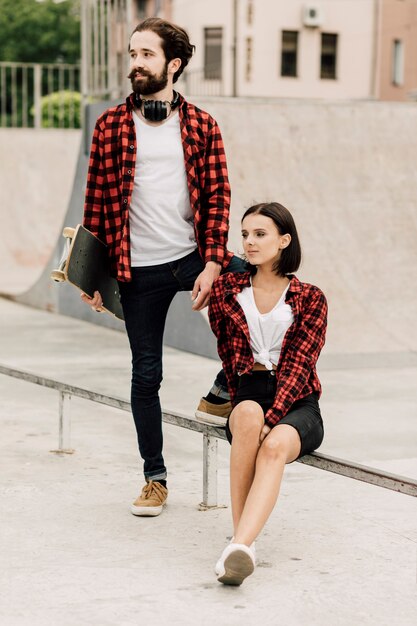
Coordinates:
column 243, row 278
column 295, row 285
column 130, row 101
column 236, row 282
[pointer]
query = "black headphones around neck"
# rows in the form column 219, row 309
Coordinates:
column 156, row 110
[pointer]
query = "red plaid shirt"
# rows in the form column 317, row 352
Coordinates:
column 303, row 341
column 111, row 174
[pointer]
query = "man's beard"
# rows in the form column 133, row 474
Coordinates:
column 151, row 84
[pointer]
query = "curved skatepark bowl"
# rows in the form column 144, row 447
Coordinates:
column 345, row 169
column 37, row 175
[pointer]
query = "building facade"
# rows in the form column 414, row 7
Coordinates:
column 142, row 9
column 283, row 48
column 330, row 49
column 397, row 71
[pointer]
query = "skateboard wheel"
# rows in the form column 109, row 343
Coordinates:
column 58, row 276
column 68, row 232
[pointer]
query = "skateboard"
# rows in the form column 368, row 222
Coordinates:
column 85, row 264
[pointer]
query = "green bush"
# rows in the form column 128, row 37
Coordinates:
column 61, row 109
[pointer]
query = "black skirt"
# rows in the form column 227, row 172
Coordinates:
column 304, row 415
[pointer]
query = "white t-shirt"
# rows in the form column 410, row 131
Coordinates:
column 161, row 218
column 266, row 330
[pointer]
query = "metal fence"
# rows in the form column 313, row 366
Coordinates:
column 198, row 83
column 105, row 30
column 34, row 95
column 106, row 26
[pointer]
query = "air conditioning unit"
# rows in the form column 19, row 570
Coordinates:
column 312, row 16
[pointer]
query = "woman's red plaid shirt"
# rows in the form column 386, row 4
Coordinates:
column 303, row 341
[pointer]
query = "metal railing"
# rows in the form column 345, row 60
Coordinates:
column 106, row 26
column 211, row 434
column 34, row 95
column 197, row 83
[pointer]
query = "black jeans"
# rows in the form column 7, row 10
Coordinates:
column 145, row 302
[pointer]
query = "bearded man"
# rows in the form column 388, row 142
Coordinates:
column 158, row 195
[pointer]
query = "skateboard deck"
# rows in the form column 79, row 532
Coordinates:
column 85, row 264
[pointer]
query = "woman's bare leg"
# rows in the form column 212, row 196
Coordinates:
column 245, row 423
column 281, row 446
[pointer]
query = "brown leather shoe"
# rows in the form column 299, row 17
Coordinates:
column 151, row 500
column 213, row 414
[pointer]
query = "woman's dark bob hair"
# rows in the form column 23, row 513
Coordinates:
column 290, row 258
column 175, row 41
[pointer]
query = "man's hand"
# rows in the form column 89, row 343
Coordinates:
column 202, row 286
column 96, row 302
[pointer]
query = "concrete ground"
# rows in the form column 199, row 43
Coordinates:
column 334, row 552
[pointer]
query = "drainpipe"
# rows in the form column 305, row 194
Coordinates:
column 376, row 52
column 85, row 68
column 234, row 49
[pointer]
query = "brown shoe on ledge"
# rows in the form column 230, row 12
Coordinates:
column 213, row 414
column 151, row 501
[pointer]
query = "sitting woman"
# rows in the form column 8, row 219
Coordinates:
column 270, row 329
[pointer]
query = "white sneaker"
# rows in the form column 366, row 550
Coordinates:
column 219, row 564
column 236, row 563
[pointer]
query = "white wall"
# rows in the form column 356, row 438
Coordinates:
column 195, row 16
column 352, row 20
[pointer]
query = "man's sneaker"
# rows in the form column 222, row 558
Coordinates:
column 213, row 414
column 151, row 500
column 236, row 563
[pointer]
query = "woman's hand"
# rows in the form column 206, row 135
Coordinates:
column 264, row 432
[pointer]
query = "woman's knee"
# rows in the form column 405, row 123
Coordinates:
column 282, row 444
column 273, row 449
column 246, row 417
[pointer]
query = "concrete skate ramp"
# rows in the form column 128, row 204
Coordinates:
column 347, row 171
column 37, row 174
column 36, row 288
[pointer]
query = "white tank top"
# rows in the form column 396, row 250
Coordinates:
column 160, row 215
column 266, row 330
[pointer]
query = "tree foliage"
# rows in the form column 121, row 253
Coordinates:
column 40, row 31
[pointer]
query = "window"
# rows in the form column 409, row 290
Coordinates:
column 250, row 13
column 141, row 8
column 289, row 48
column 213, row 53
column 397, row 63
column 328, row 56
